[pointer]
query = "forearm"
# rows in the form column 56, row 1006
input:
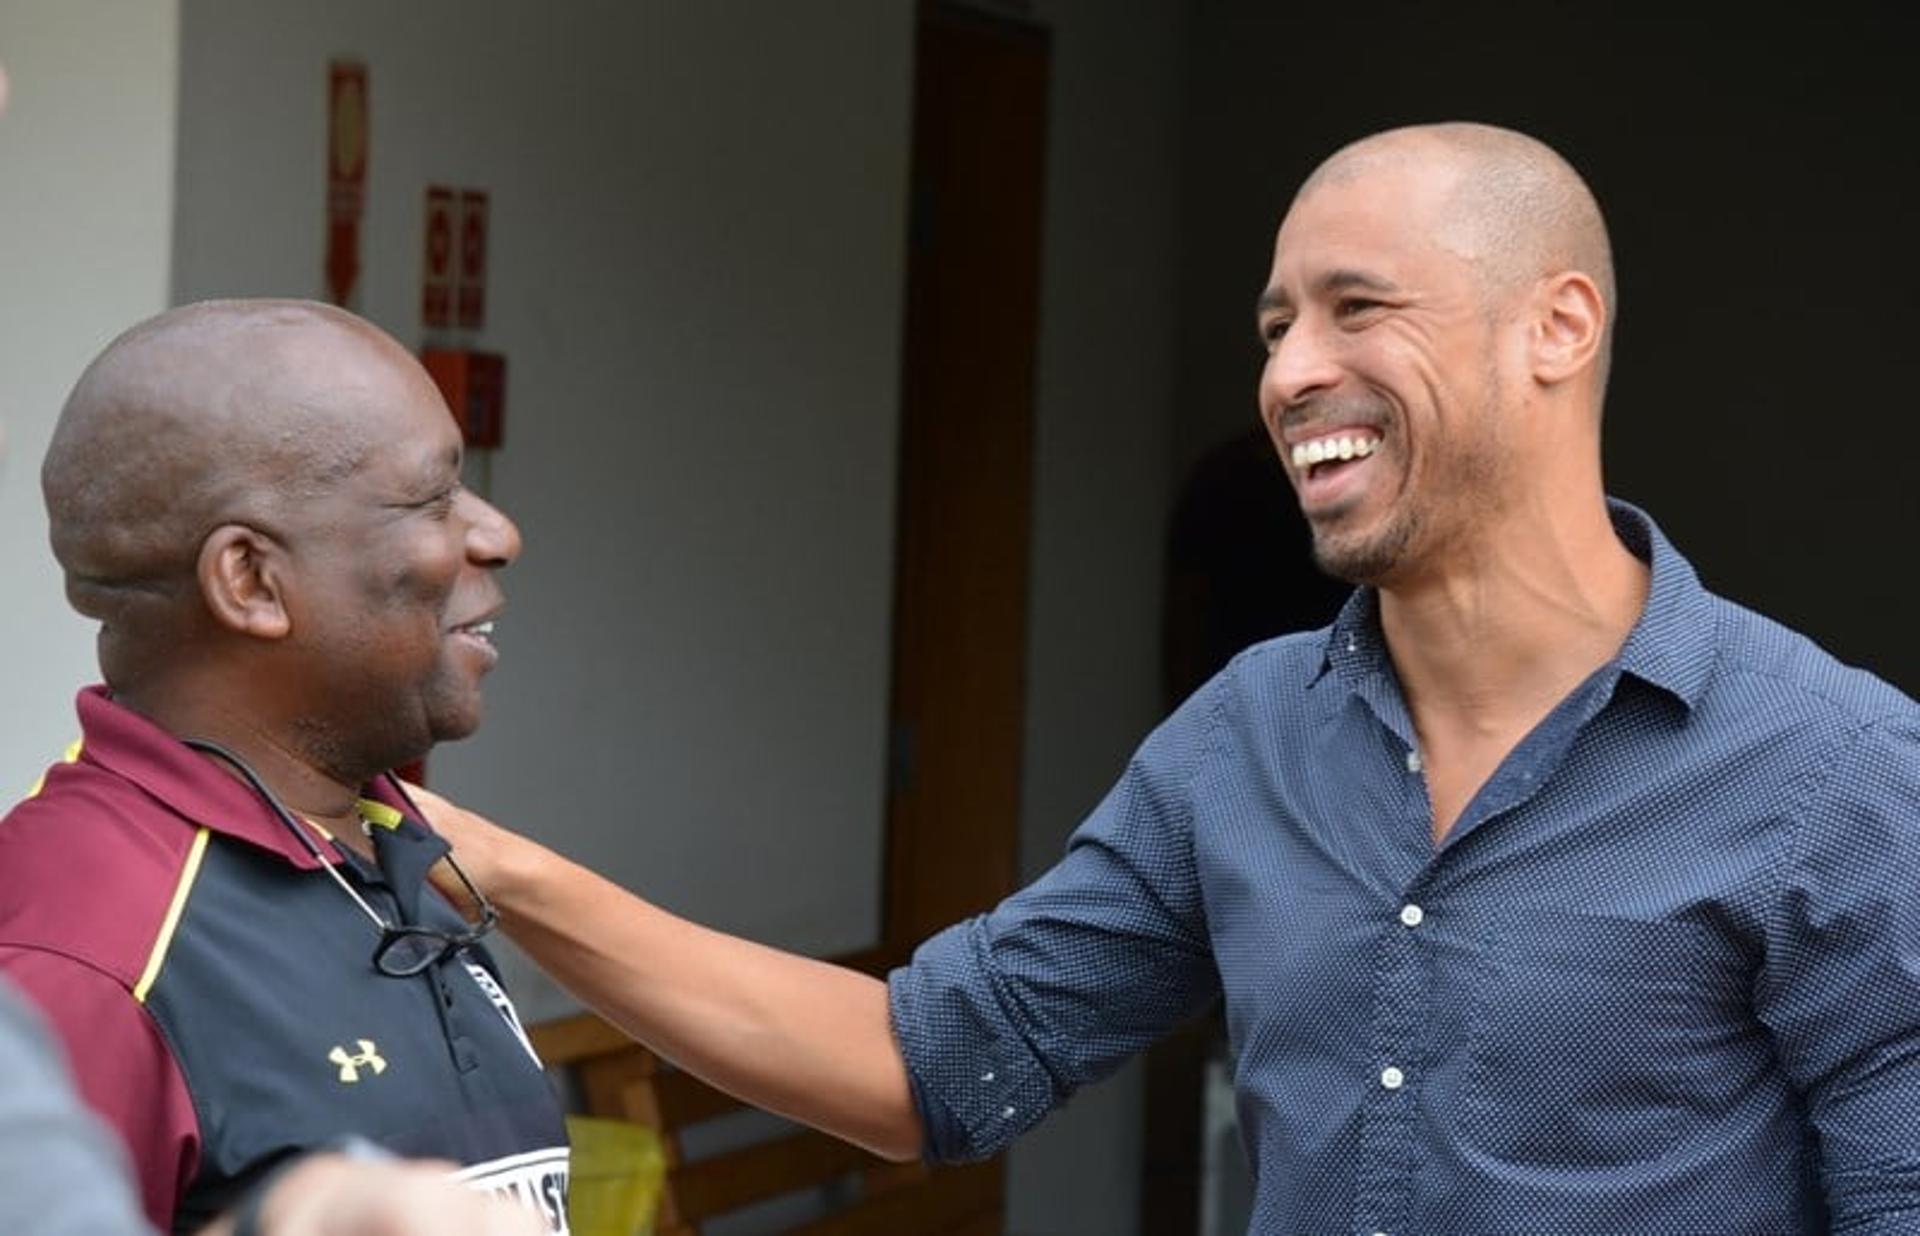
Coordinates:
column 804, row 1038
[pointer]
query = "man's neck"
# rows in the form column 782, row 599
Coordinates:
column 1493, row 637
column 1490, row 639
column 302, row 787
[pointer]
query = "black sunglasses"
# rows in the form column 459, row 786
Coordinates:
column 404, row 950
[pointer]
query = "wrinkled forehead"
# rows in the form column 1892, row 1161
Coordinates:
column 1389, row 219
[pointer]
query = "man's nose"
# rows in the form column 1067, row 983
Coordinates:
column 493, row 540
column 1301, row 364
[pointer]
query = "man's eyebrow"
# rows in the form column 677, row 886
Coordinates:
column 1342, row 279
column 443, row 465
column 430, row 472
column 1345, row 280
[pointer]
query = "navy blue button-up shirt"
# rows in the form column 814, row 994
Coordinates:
column 1662, row 977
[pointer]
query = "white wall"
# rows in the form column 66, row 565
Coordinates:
column 697, row 266
column 698, row 234
column 86, row 175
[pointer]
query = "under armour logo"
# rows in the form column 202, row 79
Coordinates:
column 350, row 1066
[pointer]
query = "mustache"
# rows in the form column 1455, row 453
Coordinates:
column 1310, row 415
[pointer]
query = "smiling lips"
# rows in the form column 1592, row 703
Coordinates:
column 477, row 638
column 479, row 630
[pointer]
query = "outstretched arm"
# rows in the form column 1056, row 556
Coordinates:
column 807, row 1039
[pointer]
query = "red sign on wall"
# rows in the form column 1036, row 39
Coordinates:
column 346, row 175
column 470, row 291
column 436, row 269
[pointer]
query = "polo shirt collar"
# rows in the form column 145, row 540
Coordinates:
column 194, row 785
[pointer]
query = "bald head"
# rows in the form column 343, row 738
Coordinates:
column 1511, row 206
column 214, row 413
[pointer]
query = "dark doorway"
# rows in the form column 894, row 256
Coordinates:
column 966, row 445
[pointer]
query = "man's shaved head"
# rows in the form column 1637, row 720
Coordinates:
column 209, row 414
column 1440, row 306
column 1515, row 209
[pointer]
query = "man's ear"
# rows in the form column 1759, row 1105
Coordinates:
column 1569, row 326
column 242, row 575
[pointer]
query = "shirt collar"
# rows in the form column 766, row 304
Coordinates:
column 1355, row 649
column 1670, row 647
column 191, row 784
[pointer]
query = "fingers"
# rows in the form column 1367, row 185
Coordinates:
column 334, row 1196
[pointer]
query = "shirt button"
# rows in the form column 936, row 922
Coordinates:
column 1412, row 915
column 1413, row 761
column 1392, row 1078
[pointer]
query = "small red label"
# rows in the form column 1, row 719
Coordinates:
column 346, row 175
column 436, row 268
column 470, row 289
column 343, row 258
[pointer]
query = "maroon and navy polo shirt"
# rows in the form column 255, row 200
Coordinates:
column 216, row 993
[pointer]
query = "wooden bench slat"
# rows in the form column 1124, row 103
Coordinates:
column 952, row 1199
column 569, row 1040
column 765, row 1170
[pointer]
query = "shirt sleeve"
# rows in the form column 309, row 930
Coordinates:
column 1841, row 988
column 121, row 1066
column 61, row 1173
column 1003, row 1016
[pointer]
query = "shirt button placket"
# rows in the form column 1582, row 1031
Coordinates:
column 1387, row 1132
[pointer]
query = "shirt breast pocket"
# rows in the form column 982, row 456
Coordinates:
column 1595, row 1039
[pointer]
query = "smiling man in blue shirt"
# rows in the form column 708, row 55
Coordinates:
column 1547, row 891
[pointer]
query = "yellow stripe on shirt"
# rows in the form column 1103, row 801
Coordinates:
column 172, row 922
column 378, row 814
column 71, row 754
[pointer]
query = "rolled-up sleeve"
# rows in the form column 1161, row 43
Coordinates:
column 1841, row 991
column 1001, row 1017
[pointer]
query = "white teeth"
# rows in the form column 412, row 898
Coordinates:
column 478, row 628
column 1323, row 450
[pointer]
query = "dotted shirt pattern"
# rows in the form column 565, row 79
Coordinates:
column 1662, row 977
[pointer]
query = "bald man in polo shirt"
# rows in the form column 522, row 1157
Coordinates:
column 219, row 900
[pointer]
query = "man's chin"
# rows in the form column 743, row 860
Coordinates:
column 452, row 725
column 444, row 734
column 1361, row 557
